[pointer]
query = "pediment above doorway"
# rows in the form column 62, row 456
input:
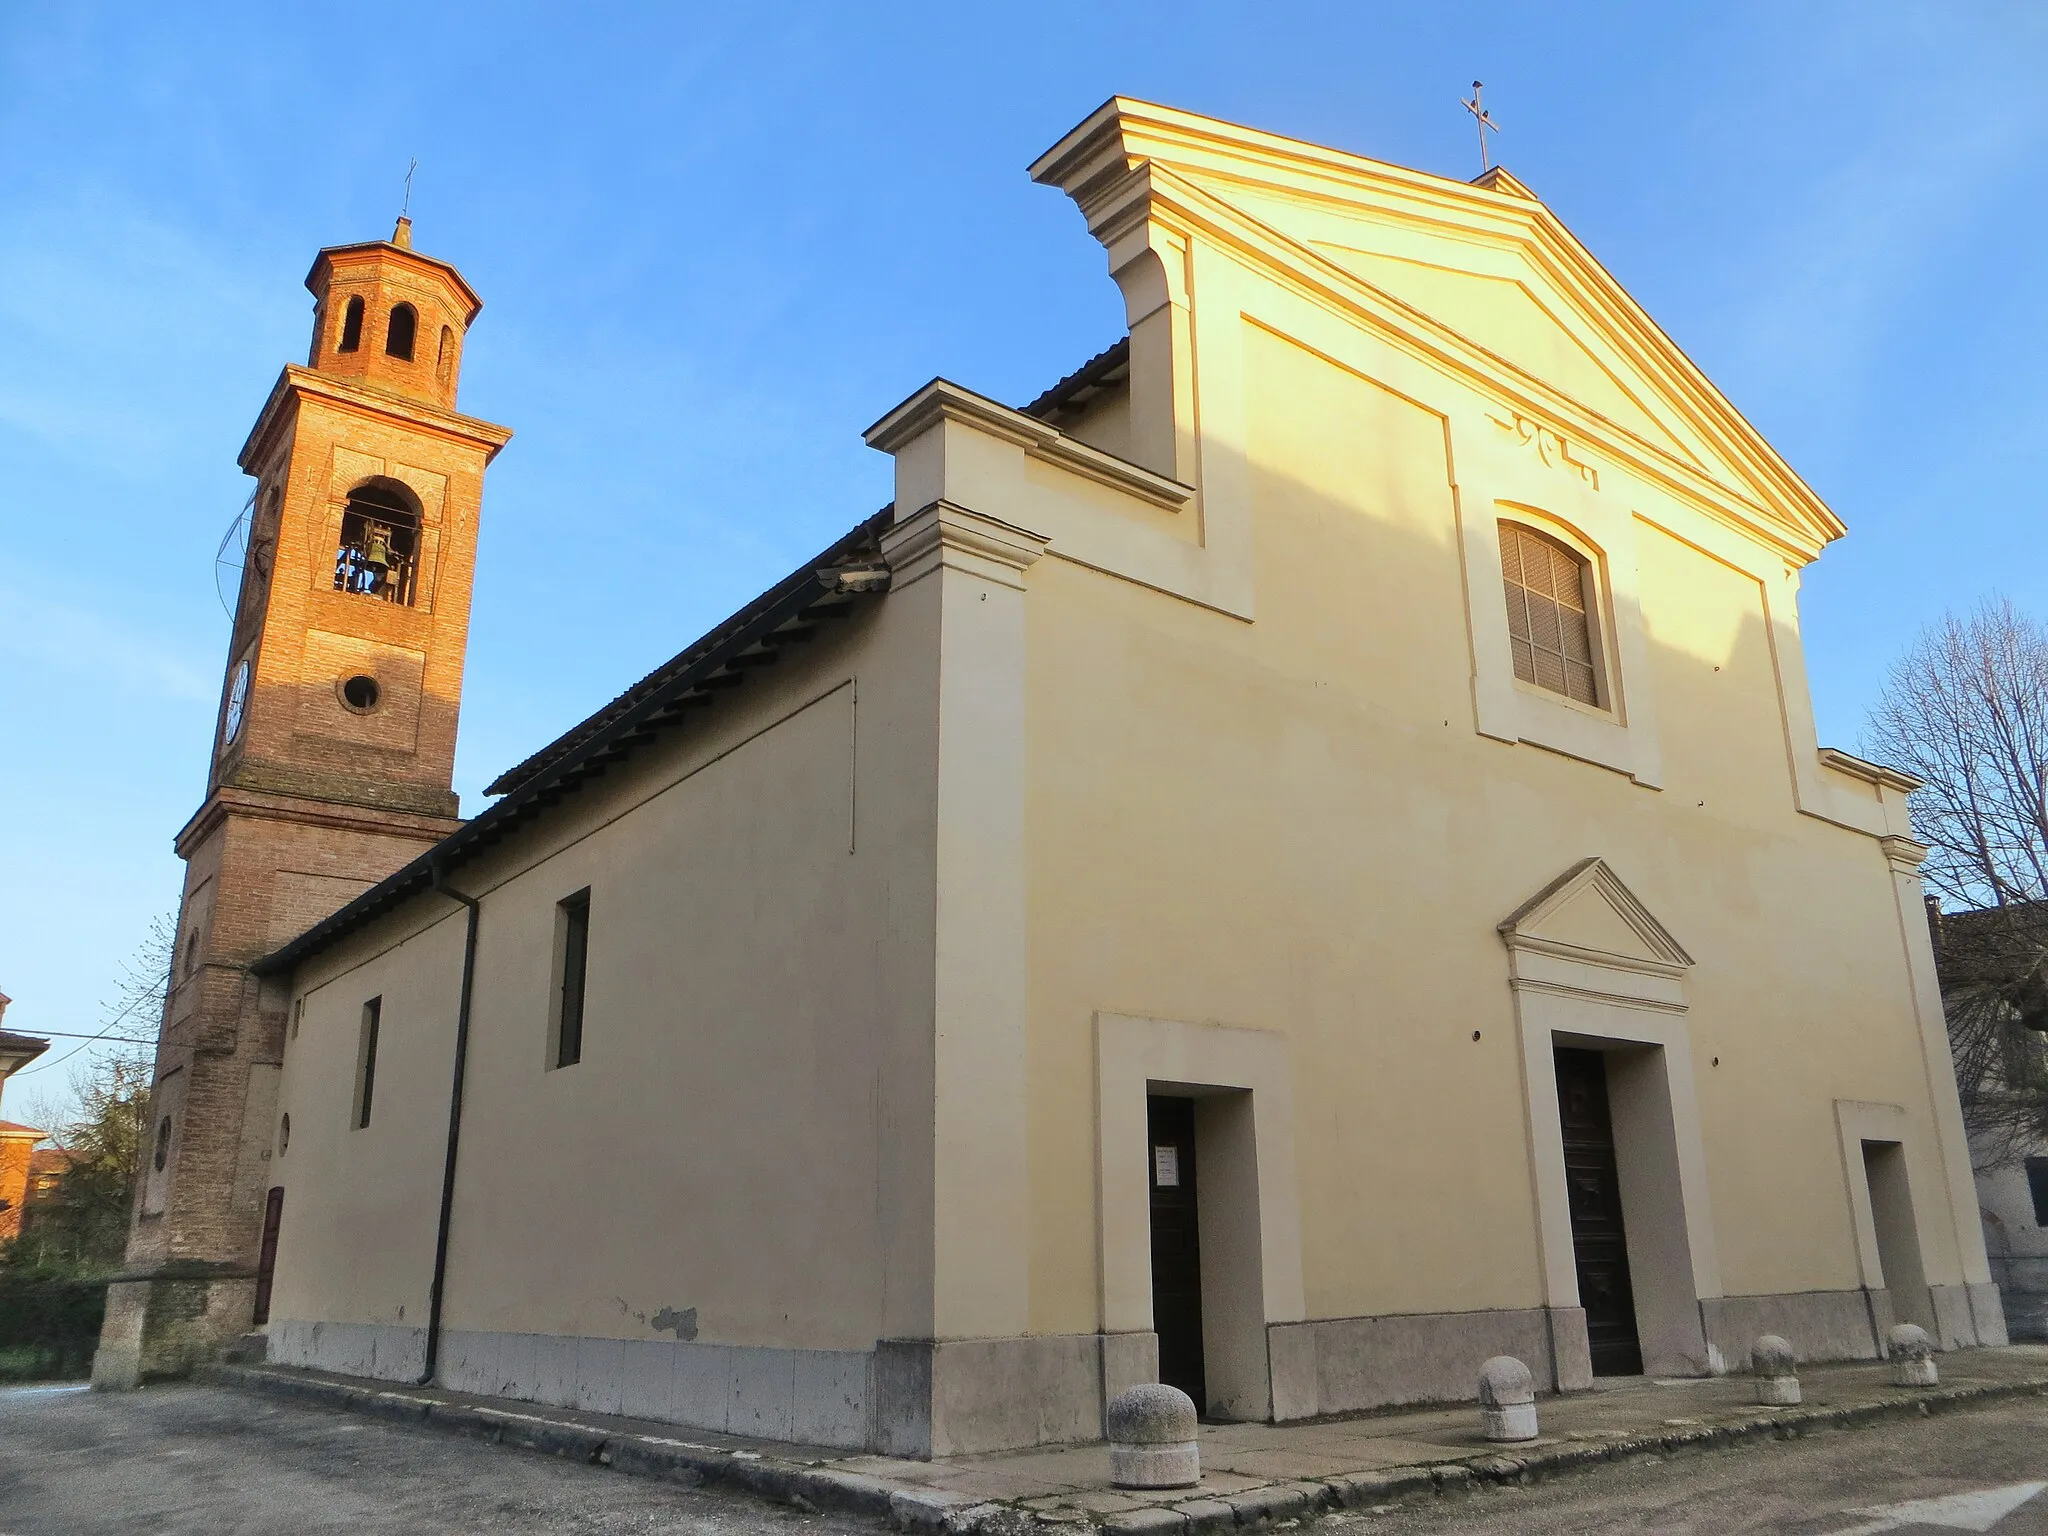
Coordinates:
column 1587, row 915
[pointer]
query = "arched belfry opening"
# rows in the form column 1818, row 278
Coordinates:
column 399, row 333
column 351, row 326
column 380, row 539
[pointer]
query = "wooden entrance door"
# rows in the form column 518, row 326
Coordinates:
column 1176, row 1250
column 266, row 1256
column 1593, row 1183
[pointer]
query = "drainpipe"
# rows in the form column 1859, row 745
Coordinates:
column 434, row 1295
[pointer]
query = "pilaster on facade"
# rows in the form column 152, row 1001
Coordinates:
column 962, row 572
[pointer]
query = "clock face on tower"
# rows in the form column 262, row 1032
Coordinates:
column 238, row 703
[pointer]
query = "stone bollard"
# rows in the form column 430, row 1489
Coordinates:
column 1777, row 1372
column 1152, row 1438
column 1507, row 1399
column 1912, row 1356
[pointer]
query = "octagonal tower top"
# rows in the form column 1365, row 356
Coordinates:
column 390, row 318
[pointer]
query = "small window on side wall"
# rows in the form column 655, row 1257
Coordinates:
column 366, row 1061
column 399, row 333
column 572, row 957
column 2037, row 1186
column 1551, row 613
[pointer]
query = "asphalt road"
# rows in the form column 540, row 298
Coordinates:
column 182, row 1459
column 1987, row 1468
column 173, row 1460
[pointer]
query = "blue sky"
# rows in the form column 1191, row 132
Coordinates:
column 715, row 243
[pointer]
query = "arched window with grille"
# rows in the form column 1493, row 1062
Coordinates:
column 1552, row 623
column 399, row 332
column 380, row 540
column 351, row 326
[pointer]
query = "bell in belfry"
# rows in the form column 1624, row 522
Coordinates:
column 377, row 548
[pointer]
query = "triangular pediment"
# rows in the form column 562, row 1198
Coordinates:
column 1588, row 914
column 1518, row 316
column 1483, row 278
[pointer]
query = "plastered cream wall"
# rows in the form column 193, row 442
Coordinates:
column 1298, row 810
column 1294, row 825
column 748, row 1133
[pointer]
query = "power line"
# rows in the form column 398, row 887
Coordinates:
column 58, row 1061
column 68, row 1034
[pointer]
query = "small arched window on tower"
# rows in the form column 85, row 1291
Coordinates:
column 398, row 335
column 351, row 326
column 1551, row 627
column 444, row 359
column 380, row 537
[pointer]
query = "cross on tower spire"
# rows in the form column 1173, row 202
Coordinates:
column 1485, row 123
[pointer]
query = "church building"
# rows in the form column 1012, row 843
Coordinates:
column 1295, row 862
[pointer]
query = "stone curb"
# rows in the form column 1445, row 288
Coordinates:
column 932, row 1513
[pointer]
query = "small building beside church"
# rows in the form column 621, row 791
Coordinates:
column 1989, row 961
column 1291, row 864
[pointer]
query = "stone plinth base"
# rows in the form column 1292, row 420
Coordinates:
column 163, row 1324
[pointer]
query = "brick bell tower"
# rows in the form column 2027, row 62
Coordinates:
column 332, row 759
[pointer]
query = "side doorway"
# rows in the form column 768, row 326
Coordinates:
column 1176, row 1245
column 1593, row 1188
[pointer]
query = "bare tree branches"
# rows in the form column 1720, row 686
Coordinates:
column 1966, row 709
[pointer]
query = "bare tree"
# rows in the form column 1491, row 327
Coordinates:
column 100, row 1121
column 1966, row 709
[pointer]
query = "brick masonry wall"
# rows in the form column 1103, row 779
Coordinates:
column 15, row 1152
column 311, row 802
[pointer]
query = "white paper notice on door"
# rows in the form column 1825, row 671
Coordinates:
column 1166, row 1167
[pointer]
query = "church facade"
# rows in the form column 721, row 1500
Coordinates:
column 1291, row 864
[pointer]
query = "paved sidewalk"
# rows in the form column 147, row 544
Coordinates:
column 1250, row 1472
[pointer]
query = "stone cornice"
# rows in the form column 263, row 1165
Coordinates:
column 399, row 255
column 296, row 383
column 341, row 814
column 1903, row 854
column 944, row 401
column 1870, row 773
column 957, row 538
column 1132, row 161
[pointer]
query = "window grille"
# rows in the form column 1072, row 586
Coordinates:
column 1550, row 626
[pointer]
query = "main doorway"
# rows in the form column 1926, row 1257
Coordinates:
column 1176, row 1245
column 1593, row 1186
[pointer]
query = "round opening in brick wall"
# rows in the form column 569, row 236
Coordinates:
column 359, row 693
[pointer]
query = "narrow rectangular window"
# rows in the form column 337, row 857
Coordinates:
column 366, row 1060
column 2037, row 1186
column 572, row 950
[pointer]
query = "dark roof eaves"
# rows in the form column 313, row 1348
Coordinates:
column 1099, row 367
column 793, row 595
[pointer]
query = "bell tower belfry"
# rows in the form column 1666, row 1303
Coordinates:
column 330, row 766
